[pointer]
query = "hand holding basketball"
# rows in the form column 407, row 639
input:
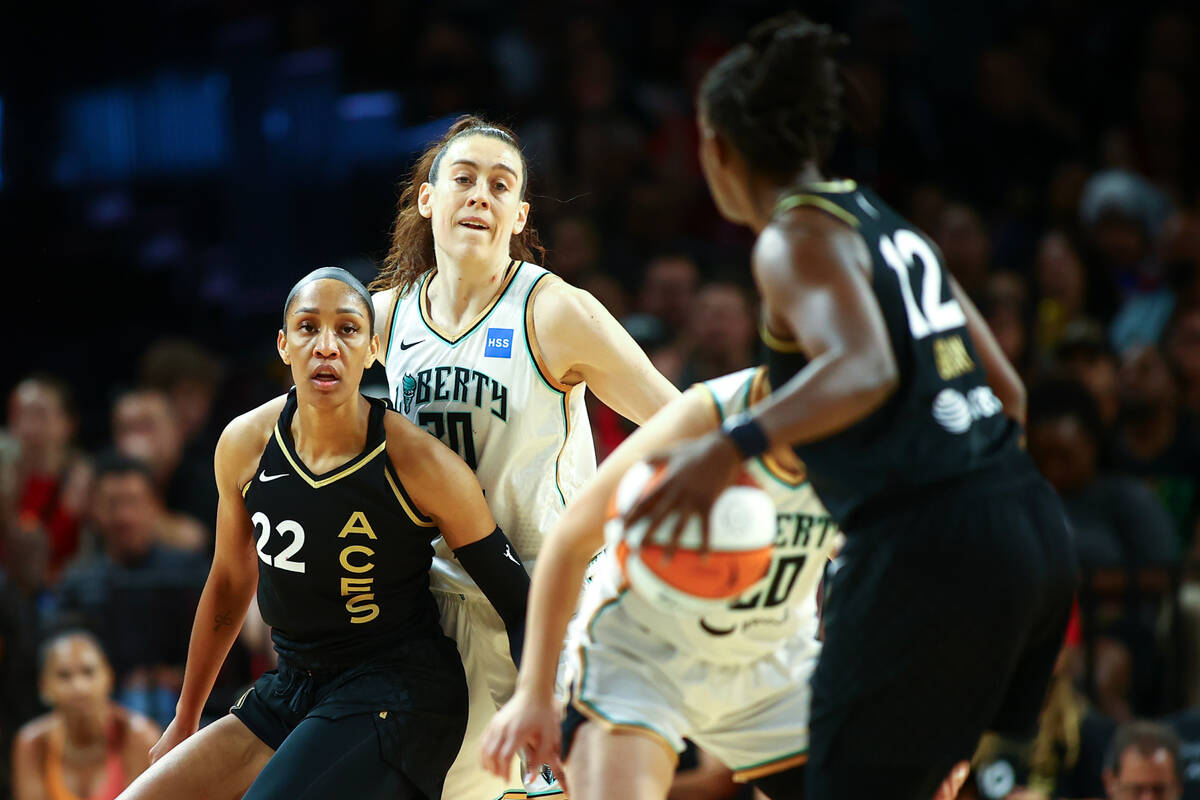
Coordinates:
column 694, row 474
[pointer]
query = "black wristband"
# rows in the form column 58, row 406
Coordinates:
column 747, row 435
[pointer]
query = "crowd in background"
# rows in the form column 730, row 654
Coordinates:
column 1047, row 148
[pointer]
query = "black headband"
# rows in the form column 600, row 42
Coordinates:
column 336, row 274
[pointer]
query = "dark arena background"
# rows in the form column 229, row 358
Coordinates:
column 168, row 169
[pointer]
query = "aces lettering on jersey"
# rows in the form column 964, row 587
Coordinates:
column 355, row 559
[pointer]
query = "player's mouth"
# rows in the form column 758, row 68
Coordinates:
column 325, row 377
column 474, row 223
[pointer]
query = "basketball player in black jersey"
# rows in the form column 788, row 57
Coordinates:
column 328, row 505
column 956, row 580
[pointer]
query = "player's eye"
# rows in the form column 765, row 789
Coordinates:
column 462, row 180
column 349, row 329
column 500, row 186
column 306, row 326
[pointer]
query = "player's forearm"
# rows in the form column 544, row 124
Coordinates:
column 557, row 578
column 219, row 617
column 832, row 393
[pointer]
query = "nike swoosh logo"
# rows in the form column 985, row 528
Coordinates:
column 714, row 631
column 405, row 345
column 265, row 478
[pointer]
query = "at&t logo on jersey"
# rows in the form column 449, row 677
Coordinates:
column 956, row 412
column 499, row 343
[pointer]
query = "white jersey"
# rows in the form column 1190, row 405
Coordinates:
column 486, row 395
column 780, row 607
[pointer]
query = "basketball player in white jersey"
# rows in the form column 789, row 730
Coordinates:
column 491, row 354
column 642, row 678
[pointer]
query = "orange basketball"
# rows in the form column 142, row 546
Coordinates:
column 741, row 537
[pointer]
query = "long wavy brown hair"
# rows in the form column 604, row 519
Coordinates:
column 411, row 254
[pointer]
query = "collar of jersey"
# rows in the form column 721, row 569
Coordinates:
column 317, row 481
column 423, row 296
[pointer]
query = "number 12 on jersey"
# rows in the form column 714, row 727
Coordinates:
column 933, row 315
column 454, row 428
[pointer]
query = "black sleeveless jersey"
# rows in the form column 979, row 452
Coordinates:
column 943, row 420
column 344, row 557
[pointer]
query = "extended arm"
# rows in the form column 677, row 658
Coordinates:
column 580, row 341
column 447, row 491
column 530, row 719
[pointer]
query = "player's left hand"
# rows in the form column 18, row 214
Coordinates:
column 694, row 475
column 525, row 724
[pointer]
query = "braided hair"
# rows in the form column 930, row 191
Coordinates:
column 777, row 96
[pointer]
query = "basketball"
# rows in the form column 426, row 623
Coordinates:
column 741, row 537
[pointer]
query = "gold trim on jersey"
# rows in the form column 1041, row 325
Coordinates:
column 777, row 343
column 391, row 325
column 303, row 471
column 535, row 349
column 418, row 519
column 759, row 388
column 423, row 299
column 828, row 206
column 246, row 488
column 770, row 767
column 833, row 187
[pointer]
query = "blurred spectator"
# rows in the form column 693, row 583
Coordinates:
column 722, row 333
column 1119, row 528
column 1143, row 317
column 1061, row 289
column 87, row 746
column 668, row 290
column 139, row 594
column 1004, row 305
column 574, row 250
column 1183, row 351
column 1121, row 215
column 190, row 376
column 966, row 248
column 1143, row 762
column 1116, row 521
column 145, row 427
column 1155, row 440
column 1084, row 354
column 52, row 476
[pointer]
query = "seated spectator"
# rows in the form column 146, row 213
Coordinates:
column 668, row 289
column 1183, row 351
column 190, row 377
column 1155, row 440
column 52, row 476
column 1119, row 527
column 87, row 746
column 1143, row 762
column 966, row 248
column 145, row 428
column 1061, row 289
column 721, row 332
column 1084, row 354
column 1116, row 521
column 139, row 594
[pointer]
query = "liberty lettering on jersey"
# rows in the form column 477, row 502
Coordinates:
column 792, row 532
column 453, row 384
column 355, row 558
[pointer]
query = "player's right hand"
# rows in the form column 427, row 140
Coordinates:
column 175, row 733
column 525, row 724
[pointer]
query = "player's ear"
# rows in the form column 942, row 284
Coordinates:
column 373, row 353
column 425, row 200
column 522, row 218
column 281, row 346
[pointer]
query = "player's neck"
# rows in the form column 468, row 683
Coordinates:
column 326, row 436
column 459, row 291
column 765, row 193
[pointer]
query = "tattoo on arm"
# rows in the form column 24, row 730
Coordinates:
column 222, row 620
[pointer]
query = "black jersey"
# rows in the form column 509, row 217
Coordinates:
column 943, row 420
column 343, row 557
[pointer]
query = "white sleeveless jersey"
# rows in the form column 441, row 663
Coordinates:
column 487, row 397
column 780, row 607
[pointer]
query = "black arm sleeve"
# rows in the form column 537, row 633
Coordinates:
column 498, row 572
